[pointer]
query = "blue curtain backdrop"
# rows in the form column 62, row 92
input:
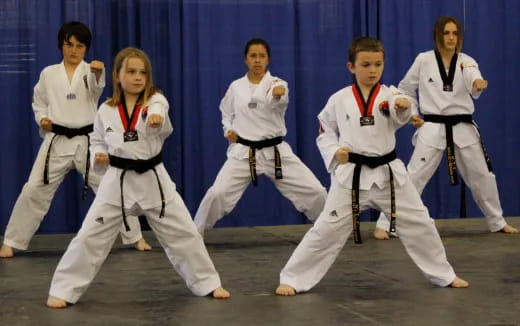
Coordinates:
column 196, row 48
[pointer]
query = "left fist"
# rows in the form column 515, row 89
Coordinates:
column 155, row 120
column 278, row 92
column 402, row 104
column 479, row 85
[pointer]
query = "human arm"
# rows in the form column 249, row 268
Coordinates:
column 157, row 120
column 95, row 80
column 472, row 77
column 98, row 146
column 40, row 103
column 228, row 112
column 400, row 106
column 410, row 83
column 278, row 94
column 328, row 139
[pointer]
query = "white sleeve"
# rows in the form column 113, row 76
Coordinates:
column 95, row 87
column 470, row 73
column 402, row 117
column 158, row 104
column 40, row 102
column 227, row 110
column 97, row 144
column 410, row 83
column 282, row 103
column 328, row 139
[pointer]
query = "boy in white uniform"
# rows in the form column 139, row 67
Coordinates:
column 357, row 140
column 129, row 132
column 253, row 111
column 65, row 104
column 446, row 80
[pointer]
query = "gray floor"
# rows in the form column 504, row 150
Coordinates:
column 371, row 284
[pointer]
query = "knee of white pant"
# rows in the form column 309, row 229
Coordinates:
column 312, row 207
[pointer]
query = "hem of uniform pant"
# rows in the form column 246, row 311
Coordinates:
column 72, row 299
column 133, row 240
column 500, row 226
column 291, row 284
column 205, row 287
column 14, row 245
column 441, row 282
column 448, row 283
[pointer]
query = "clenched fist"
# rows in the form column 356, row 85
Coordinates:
column 232, row 136
column 155, row 120
column 46, row 124
column 342, row 155
column 402, row 104
column 101, row 159
column 416, row 121
column 278, row 92
column 97, row 67
column 479, row 85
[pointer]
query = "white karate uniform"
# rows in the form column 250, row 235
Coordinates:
column 176, row 231
column 253, row 113
column 51, row 101
column 340, row 127
column 430, row 139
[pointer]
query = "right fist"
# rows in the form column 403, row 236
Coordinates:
column 46, row 124
column 342, row 155
column 416, row 121
column 232, row 136
column 101, row 159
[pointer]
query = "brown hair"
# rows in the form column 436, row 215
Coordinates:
column 438, row 32
column 120, row 63
column 361, row 44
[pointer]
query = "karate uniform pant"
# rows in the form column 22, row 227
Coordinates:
column 471, row 166
column 175, row 232
column 35, row 199
column 323, row 242
column 299, row 185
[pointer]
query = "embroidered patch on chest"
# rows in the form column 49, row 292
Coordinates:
column 384, row 108
column 144, row 113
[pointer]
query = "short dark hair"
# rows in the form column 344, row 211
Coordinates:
column 257, row 41
column 361, row 44
column 77, row 29
column 438, row 31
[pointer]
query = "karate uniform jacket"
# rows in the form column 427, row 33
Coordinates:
column 425, row 77
column 108, row 138
column 255, row 115
column 340, row 127
column 70, row 104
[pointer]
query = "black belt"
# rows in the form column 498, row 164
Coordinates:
column 69, row 133
column 449, row 121
column 139, row 166
column 372, row 162
column 253, row 146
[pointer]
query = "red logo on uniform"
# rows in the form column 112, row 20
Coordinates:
column 384, row 108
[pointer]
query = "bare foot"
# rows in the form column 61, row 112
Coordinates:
column 6, row 251
column 142, row 245
column 220, row 293
column 509, row 229
column 56, row 303
column 285, row 290
column 458, row 283
column 380, row 234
